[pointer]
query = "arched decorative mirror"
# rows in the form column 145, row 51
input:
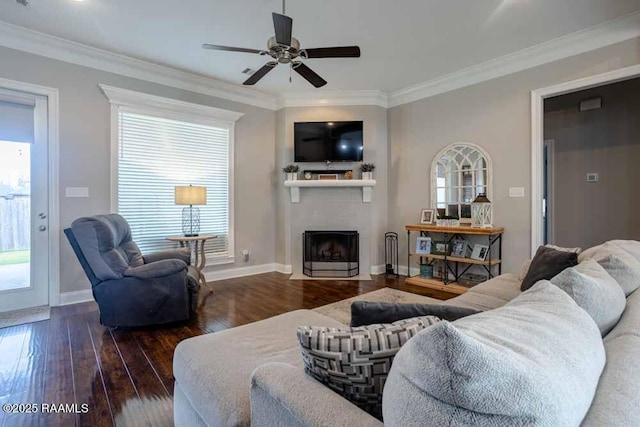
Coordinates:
column 459, row 173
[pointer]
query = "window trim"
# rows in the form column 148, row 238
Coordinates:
column 142, row 103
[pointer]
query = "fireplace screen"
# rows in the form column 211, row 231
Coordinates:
column 331, row 254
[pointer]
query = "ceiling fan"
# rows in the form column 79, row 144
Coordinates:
column 285, row 49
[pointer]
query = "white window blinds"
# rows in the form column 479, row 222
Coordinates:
column 157, row 154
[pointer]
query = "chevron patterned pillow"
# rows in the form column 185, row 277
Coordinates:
column 355, row 362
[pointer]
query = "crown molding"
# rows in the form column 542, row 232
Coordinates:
column 608, row 33
column 334, row 98
column 19, row 38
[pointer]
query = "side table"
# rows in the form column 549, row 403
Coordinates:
column 198, row 248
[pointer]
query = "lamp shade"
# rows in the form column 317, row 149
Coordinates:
column 191, row 195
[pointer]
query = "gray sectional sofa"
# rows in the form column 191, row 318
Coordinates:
column 253, row 374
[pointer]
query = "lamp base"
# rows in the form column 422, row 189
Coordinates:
column 190, row 221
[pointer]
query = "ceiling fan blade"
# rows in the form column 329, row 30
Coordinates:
column 332, row 52
column 309, row 75
column 283, row 26
column 255, row 78
column 229, row 48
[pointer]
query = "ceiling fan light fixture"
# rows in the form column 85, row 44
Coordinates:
column 283, row 48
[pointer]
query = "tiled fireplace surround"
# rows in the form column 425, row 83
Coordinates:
column 327, row 209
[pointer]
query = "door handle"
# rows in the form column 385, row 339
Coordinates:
column 42, row 216
column 42, row 228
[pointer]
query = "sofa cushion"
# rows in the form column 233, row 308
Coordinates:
column 589, row 253
column 355, row 362
column 214, row 370
column 624, row 269
column 369, row 313
column 505, row 287
column 593, row 289
column 618, row 393
column 536, row 361
column 491, row 294
column 629, row 323
column 547, row 263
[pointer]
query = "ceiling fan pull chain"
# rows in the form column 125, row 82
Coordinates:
column 283, row 9
column 290, row 67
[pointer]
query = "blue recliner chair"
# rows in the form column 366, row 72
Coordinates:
column 132, row 290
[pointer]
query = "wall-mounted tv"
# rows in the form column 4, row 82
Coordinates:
column 328, row 142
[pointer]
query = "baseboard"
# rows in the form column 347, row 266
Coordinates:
column 378, row 269
column 402, row 270
column 233, row 273
column 284, row 269
column 76, row 297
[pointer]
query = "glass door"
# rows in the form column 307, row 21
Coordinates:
column 24, row 235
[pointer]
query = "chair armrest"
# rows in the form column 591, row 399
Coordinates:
column 282, row 394
column 181, row 254
column 156, row 269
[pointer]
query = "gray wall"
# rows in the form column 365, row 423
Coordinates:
column 375, row 151
column 605, row 141
column 85, row 144
column 496, row 115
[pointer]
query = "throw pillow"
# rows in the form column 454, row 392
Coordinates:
column 535, row 361
column 547, row 263
column 593, row 289
column 355, row 362
column 369, row 313
column 563, row 249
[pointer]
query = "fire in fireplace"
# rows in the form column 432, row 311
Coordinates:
column 331, row 254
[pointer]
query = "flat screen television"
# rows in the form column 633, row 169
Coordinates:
column 328, row 142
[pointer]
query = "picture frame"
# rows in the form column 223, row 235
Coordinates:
column 328, row 176
column 480, row 252
column 423, row 245
column 439, row 248
column 459, row 248
column 427, row 216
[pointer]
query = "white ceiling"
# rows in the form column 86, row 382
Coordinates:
column 403, row 42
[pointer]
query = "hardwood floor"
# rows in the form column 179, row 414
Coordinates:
column 125, row 377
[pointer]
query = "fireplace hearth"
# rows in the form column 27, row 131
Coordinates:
column 331, row 254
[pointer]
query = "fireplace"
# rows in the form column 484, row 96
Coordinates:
column 331, row 254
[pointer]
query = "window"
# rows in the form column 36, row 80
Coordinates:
column 458, row 174
column 157, row 149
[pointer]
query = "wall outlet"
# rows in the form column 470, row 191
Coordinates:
column 76, row 191
column 592, row 177
column 516, row 192
column 245, row 255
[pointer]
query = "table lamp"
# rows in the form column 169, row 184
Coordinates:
column 190, row 195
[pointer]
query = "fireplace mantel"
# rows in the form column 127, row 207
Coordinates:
column 366, row 185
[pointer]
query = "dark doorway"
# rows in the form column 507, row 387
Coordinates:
column 592, row 165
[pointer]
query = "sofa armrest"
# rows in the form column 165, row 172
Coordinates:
column 181, row 254
column 282, row 394
column 156, row 269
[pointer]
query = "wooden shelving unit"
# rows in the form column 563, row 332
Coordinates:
column 453, row 264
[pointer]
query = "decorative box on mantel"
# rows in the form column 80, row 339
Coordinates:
column 366, row 185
